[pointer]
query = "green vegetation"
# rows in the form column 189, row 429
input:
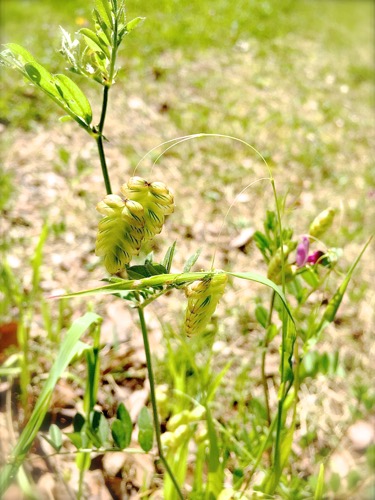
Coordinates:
column 262, row 107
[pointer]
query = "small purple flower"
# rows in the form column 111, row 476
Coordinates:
column 315, row 257
column 302, row 251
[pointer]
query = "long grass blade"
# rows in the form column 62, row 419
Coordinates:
column 70, row 347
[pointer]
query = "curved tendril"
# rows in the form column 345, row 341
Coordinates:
column 161, row 145
column 230, row 208
column 179, row 140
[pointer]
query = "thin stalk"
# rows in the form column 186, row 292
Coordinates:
column 259, row 457
column 104, row 109
column 99, row 141
column 80, row 484
column 153, row 400
column 114, row 49
column 283, row 342
column 263, row 365
column 107, row 86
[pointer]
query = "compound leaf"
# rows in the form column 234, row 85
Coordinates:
column 74, row 98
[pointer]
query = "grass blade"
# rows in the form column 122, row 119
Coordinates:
column 258, row 278
column 320, row 485
column 70, row 347
column 333, row 305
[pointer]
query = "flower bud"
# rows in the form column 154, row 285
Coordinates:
column 322, row 222
column 173, row 440
column 177, row 420
column 199, row 413
column 201, row 435
column 302, row 252
column 167, row 439
column 315, row 257
column 180, row 434
column 274, row 267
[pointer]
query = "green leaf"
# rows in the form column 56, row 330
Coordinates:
column 75, row 438
column 106, row 31
column 140, row 284
column 324, row 363
column 76, row 105
column 333, row 305
column 121, row 433
column 271, row 332
column 192, row 260
column 124, row 416
column 258, row 278
column 78, row 422
column 100, row 427
column 335, row 482
column 65, row 118
column 320, row 484
column 131, row 25
column 145, row 271
column 216, row 382
column 310, row 364
column 261, row 315
column 262, row 243
column 74, row 98
column 146, row 430
column 104, row 9
column 55, row 437
column 94, row 42
column 155, row 269
column 311, row 277
column 25, row 56
column 68, row 350
column 168, row 258
column 354, row 477
column 41, row 77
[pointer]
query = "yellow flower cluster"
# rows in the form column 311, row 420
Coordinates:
column 156, row 200
column 130, row 221
column 203, row 297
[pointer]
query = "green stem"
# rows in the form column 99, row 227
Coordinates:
column 99, row 142
column 153, row 400
column 263, row 365
column 277, row 463
column 80, row 484
column 104, row 109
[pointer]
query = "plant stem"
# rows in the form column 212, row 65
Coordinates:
column 153, row 400
column 99, row 141
column 285, row 320
column 264, row 354
column 104, row 109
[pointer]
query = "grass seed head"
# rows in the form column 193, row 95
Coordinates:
column 120, row 232
column 203, row 297
column 156, row 200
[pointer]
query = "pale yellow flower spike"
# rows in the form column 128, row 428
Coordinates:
column 203, row 297
column 156, row 200
column 120, row 232
column 131, row 221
